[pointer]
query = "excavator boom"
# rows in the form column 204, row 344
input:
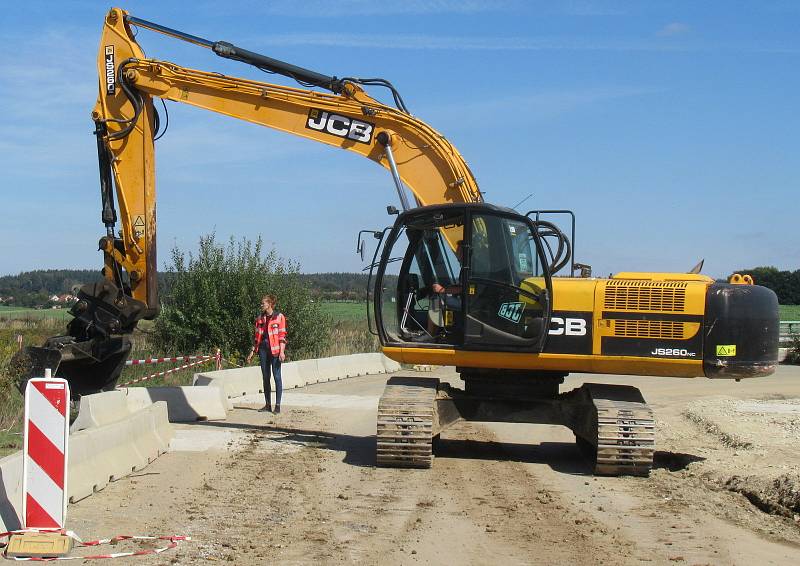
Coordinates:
column 126, row 125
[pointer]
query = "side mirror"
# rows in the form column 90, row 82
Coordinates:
column 360, row 244
column 391, row 210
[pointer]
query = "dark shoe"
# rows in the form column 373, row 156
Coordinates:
column 265, row 409
column 277, row 409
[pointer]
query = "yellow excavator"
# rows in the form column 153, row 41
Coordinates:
column 455, row 281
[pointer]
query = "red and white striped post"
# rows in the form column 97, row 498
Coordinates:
column 44, row 475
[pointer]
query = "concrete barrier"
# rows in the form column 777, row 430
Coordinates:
column 96, row 456
column 390, row 365
column 367, row 364
column 112, row 451
column 100, row 409
column 235, row 382
column 184, row 404
column 247, row 381
column 309, row 371
column 331, row 369
column 11, row 492
column 290, row 376
column 83, row 477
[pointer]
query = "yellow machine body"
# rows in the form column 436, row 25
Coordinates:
column 599, row 325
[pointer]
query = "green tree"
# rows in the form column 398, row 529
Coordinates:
column 213, row 298
column 786, row 284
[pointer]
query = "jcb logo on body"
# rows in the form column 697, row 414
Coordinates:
column 567, row 326
column 341, row 126
column 111, row 82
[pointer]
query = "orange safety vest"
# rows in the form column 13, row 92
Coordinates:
column 274, row 328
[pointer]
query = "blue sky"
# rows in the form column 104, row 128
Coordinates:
column 670, row 128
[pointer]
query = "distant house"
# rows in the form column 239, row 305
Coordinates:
column 66, row 298
column 54, row 299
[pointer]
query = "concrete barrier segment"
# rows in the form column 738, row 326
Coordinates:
column 290, row 376
column 368, row 364
column 11, row 492
column 352, row 365
column 184, row 404
column 143, row 432
column 331, row 369
column 84, row 474
column 309, row 371
column 235, row 382
column 100, row 409
column 122, row 447
column 389, row 365
column 116, row 452
column 162, row 428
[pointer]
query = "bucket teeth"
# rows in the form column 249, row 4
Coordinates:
column 405, row 423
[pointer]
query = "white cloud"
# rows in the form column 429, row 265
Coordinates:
column 673, row 29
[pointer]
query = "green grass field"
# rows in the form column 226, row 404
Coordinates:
column 790, row 312
column 27, row 313
column 340, row 312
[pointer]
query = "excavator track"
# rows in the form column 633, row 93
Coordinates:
column 624, row 437
column 406, row 413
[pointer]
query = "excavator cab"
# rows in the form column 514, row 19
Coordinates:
column 468, row 276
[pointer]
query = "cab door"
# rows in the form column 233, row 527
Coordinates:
column 507, row 288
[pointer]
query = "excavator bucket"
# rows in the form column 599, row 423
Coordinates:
column 31, row 362
column 89, row 367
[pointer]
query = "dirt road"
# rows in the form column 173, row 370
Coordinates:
column 302, row 488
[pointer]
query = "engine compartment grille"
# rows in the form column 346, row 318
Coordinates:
column 650, row 329
column 663, row 296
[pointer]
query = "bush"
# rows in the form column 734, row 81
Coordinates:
column 793, row 356
column 213, row 299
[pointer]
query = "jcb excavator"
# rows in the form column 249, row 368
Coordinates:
column 455, row 282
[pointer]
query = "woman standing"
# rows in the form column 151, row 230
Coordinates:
column 270, row 343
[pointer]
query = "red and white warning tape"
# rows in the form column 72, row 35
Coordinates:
column 167, row 372
column 174, row 540
column 164, row 360
column 199, row 359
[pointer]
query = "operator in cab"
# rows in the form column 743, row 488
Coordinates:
column 445, row 298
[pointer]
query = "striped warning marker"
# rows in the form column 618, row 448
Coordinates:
column 44, row 480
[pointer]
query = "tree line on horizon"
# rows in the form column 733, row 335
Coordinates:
column 786, row 284
column 33, row 288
